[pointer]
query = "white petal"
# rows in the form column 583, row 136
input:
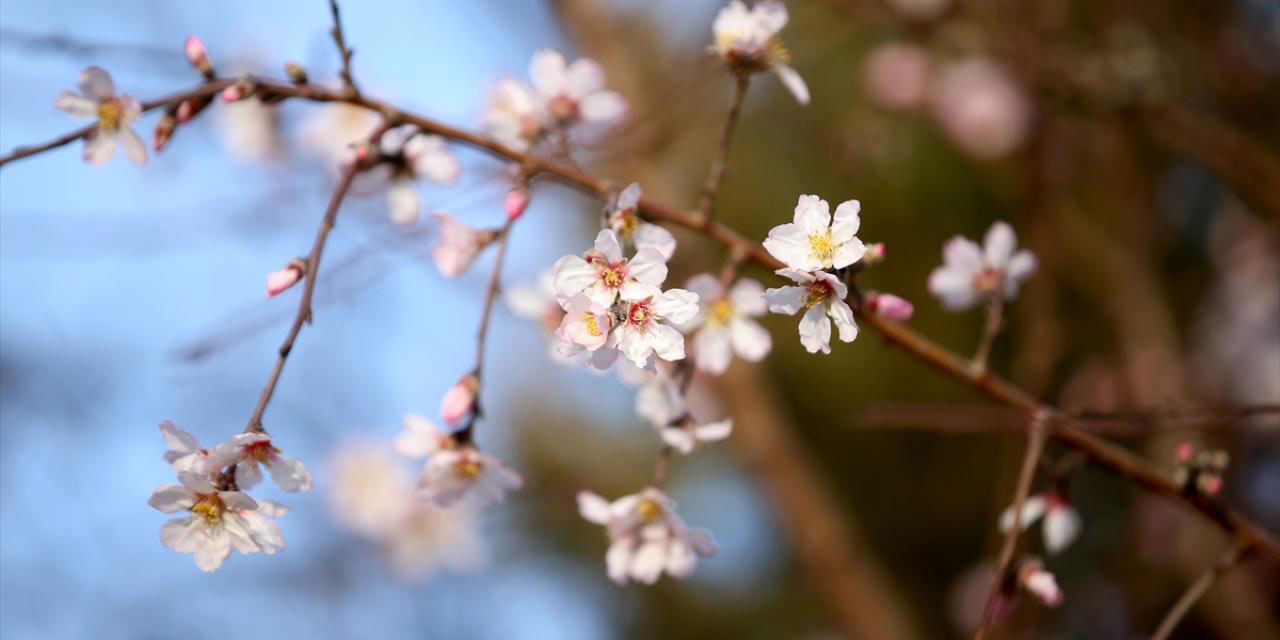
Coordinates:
column 237, row 500
column 248, row 474
column 843, row 315
column 848, row 253
column 196, row 483
column 584, row 77
column 181, row 534
column 713, row 431
column 134, row 148
column 1061, row 527
column 419, row 439
column 403, row 202
column 770, row 16
column 76, row 105
column 602, row 107
column 677, row 305
column 607, row 244
column 786, row 300
column 999, row 244
column 1021, row 267
column 678, row 438
column 747, row 297
column 963, row 255
column 99, row 147
column 634, row 346
column 680, row 559
column 96, row 84
column 790, row 244
column 593, row 508
column 547, row 71
column 238, row 533
column 815, row 331
column 702, row 542
column 1032, row 509
column 655, row 237
column 177, row 439
column 433, row 160
column 649, row 561
column 290, row 475
column 171, row 498
column 750, row 340
column 629, row 198
column 954, row 287
column 666, row 342
column 573, row 275
column 706, row 286
column 793, row 82
column 812, row 214
column 272, row 508
column 618, row 560
column 214, row 549
column 713, row 349
column 648, row 266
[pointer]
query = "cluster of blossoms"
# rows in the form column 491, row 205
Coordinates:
column 562, row 97
column 1200, row 471
column 646, row 536
column 220, row 516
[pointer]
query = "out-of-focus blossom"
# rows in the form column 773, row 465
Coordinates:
column 747, row 40
column 114, row 113
column 645, row 327
column 214, row 525
column 646, row 536
column 279, row 281
column 460, row 400
column 1061, row 520
column 458, row 244
column 370, row 494
column 1037, row 581
column 625, row 221
column 814, row 241
column 821, row 295
column 515, row 116
column 185, row 453
column 334, row 129
column 604, row 275
column 574, row 93
column 1200, row 471
column 454, row 470
column 896, row 75
column 412, row 155
column 890, row 306
column 724, row 322
column 970, row 273
column 247, row 451
column 249, row 129
column 431, row 538
column 687, row 435
column 980, row 107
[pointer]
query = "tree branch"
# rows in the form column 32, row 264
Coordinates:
column 721, row 160
column 1226, row 562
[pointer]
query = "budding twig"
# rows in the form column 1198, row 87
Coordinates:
column 482, row 334
column 1226, row 562
column 721, row 160
column 344, row 52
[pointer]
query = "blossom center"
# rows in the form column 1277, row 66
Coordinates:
column 818, row 292
column 209, row 507
column 259, row 451
column 720, row 313
column 109, row 114
column 987, row 280
column 822, row 246
column 639, row 314
column 589, row 321
column 626, row 221
column 649, row 511
column 563, row 108
column 612, row 275
column 469, row 467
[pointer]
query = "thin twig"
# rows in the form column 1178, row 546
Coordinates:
column 466, row 433
column 344, row 52
column 990, row 329
column 721, row 160
column 1226, row 562
column 1036, row 437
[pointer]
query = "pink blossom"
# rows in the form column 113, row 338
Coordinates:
column 1040, row 583
column 516, row 201
column 460, row 400
column 890, row 306
column 896, row 75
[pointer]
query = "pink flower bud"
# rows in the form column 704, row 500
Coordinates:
column 198, row 56
column 1041, row 584
column 516, row 201
column 890, row 306
column 460, row 400
column 279, row 281
column 1185, row 451
column 874, row 254
column 233, row 93
column 164, row 131
column 1210, row 484
column 187, row 109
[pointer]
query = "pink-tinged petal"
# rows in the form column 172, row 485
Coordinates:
column 593, row 508
column 706, row 286
column 618, row 560
column 680, row 559
column 666, row 341
column 280, row 281
column 1061, row 527
column 585, row 76
column 195, row 482
column 548, row 73
column 631, row 290
column 629, row 198
column 403, row 202
column 76, row 105
column 272, row 508
column 1032, row 509
column 602, row 107
column 747, row 297
column 838, row 287
column 676, row 305
column 290, row 475
column 183, row 535
column 437, row 164
column 793, row 82
column 815, row 330
column 659, row 401
column 608, row 245
column 998, row 245
column 702, row 542
column 459, row 400
column 1044, row 587
column 843, row 315
column 604, row 358
column 713, row 349
column 786, row 300
column 572, row 275
column 962, row 255
column 655, row 237
column 177, row 439
column 99, row 147
column 750, row 340
column 171, row 498
column 649, row 561
column 790, row 244
column 95, row 83
column 248, row 474
column 799, row 277
column 634, row 346
column 812, row 214
column 215, row 548
column 678, row 439
column 134, row 148
column 648, row 266
column 239, row 535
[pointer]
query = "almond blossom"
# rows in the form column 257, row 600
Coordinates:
column 458, row 244
column 724, row 322
column 625, row 221
column 98, row 99
column 970, row 274
column 454, row 469
column 585, row 325
column 821, row 295
column 214, row 525
column 413, row 154
column 574, row 93
column 1033, row 577
column 604, row 275
column 661, row 402
column 644, row 326
column 814, row 241
column 185, row 453
column 1061, row 521
column 646, row 536
column 515, row 116
column 460, row 400
column 747, row 40
column 262, row 525
column 247, row 451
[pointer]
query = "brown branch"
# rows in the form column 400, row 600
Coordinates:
column 1105, row 454
column 466, row 433
column 1226, row 562
column 1035, row 446
column 970, row 419
column 344, row 52
column 721, row 160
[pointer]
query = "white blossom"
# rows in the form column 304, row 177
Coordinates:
column 334, row 129
column 114, row 113
column 970, row 273
column 214, row 525
column 747, row 40
column 458, row 244
column 247, row 451
column 604, row 275
column 584, row 326
column 454, row 470
column 1061, row 521
column 515, row 116
column 414, row 155
column 821, row 295
column 574, row 93
column 646, row 536
column 724, row 322
column 249, row 129
column 625, row 221
column 814, row 241
column 644, row 326
column 185, row 453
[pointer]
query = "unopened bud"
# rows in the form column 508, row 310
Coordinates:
column 460, row 400
column 239, row 91
column 198, row 56
column 874, row 254
column 1040, row 583
column 516, row 201
column 1210, row 484
column 890, row 306
column 1185, row 451
column 164, row 131
column 296, row 73
column 279, row 281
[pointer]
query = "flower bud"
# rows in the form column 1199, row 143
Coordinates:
column 516, row 201
column 296, row 73
column 279, row 281
column 460, row 400
column 874, row 254
column 1040, row 583
column 890, row 306
column 1185, row 451
column 1209, row 483
column 164, row 131
column 239, row 91
column 198, row 56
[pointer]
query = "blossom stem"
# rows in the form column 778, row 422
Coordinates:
column 706, row 202
column 491, row 295
column 1036, row 437
column 1226, row 562
column 991, row 328
column 313, row 267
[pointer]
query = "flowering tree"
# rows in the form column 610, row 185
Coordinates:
column 614, row 306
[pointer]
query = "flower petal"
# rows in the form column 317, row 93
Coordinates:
column 793, row 82
column 998, row 245
column 290, row 475
column 593, row 508
column 76, row 105
column 171, row 498
column 815, row 330
column 786, row 300
column 403, row 202
column 134, row 148
column 750, row 340
column 96, row 84
column 843, row 315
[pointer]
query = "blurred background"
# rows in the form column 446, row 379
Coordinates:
column 1134, row 146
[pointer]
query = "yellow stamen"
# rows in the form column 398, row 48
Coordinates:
column 469, row 467
column 612, row 277
column 589, row 320
column 649, row 511
column 822, row 246
column 109, row 115
column 721, row 313
column 210, row 508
